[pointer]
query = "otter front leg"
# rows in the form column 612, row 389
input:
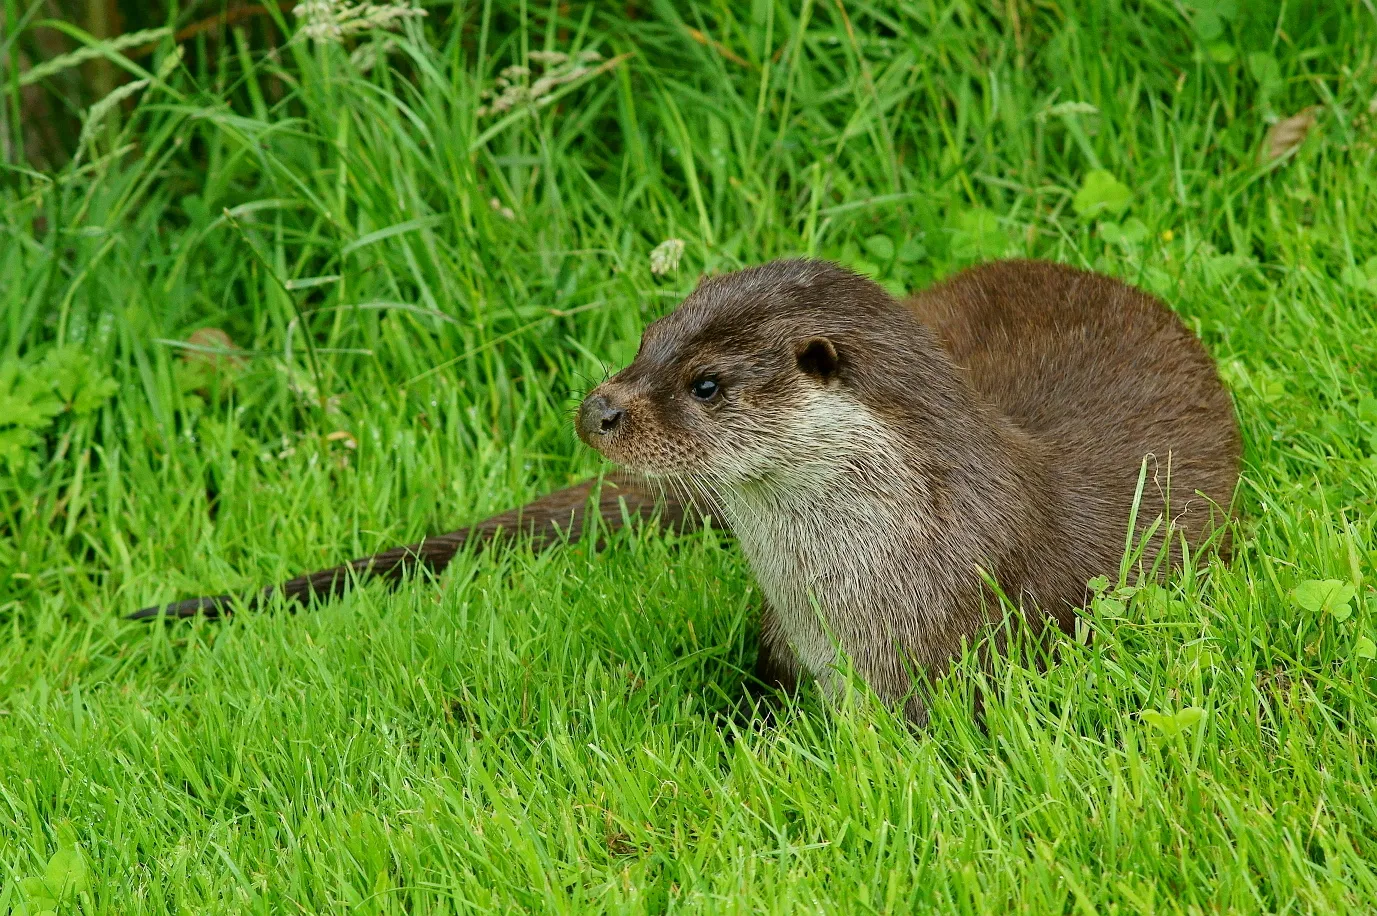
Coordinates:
column 776, row 666
column 887, row 676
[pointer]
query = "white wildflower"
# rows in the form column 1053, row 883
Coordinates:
column 333, row 20
column 510, row 91
column 549, row 58
column 665, row 256
column 366, row 56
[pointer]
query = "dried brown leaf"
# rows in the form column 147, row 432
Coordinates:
column 1288, row 134
column 213, row 347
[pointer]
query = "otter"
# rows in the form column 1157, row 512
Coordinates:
column 892, row 469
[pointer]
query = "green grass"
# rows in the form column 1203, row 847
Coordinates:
column 546, row 732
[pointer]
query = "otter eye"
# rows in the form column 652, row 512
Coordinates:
column 704, row 388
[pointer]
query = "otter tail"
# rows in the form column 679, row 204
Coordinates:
column 548, row 520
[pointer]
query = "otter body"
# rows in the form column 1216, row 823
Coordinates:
column 878, row 460
column 874, row 457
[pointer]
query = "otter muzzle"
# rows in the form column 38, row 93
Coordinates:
column 598, row 419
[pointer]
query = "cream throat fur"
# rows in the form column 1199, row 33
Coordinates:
column 835, row 533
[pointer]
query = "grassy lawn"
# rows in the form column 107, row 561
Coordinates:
column 419, row 283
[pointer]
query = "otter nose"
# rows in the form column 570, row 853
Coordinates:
column 598, row 416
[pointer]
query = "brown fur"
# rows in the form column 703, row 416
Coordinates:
column 875, row 457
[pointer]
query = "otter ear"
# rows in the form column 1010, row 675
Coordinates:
column 818, row 358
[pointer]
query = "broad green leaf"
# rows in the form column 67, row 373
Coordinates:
column 896, row 288
column 880, row 247
column 1365, row 648
column 1325, row 596
column 1130, row 232
column 66, row 368
column 1219, row 267
column 93, row 394
column 1200, row 655
column 977, row 234
column 1221, row 52
column 15, row 442
column 37, row 895
column 66, row 874
column 79, row 381
column 1172, row 724
column 1110, row 607
column 1265, row 70
column 1209, row 17
column 1101, row 193
column 912, row 250
column 1367, row 410
column 866, row 268
column 29, row 410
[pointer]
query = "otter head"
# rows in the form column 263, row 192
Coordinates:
column 754, row 374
